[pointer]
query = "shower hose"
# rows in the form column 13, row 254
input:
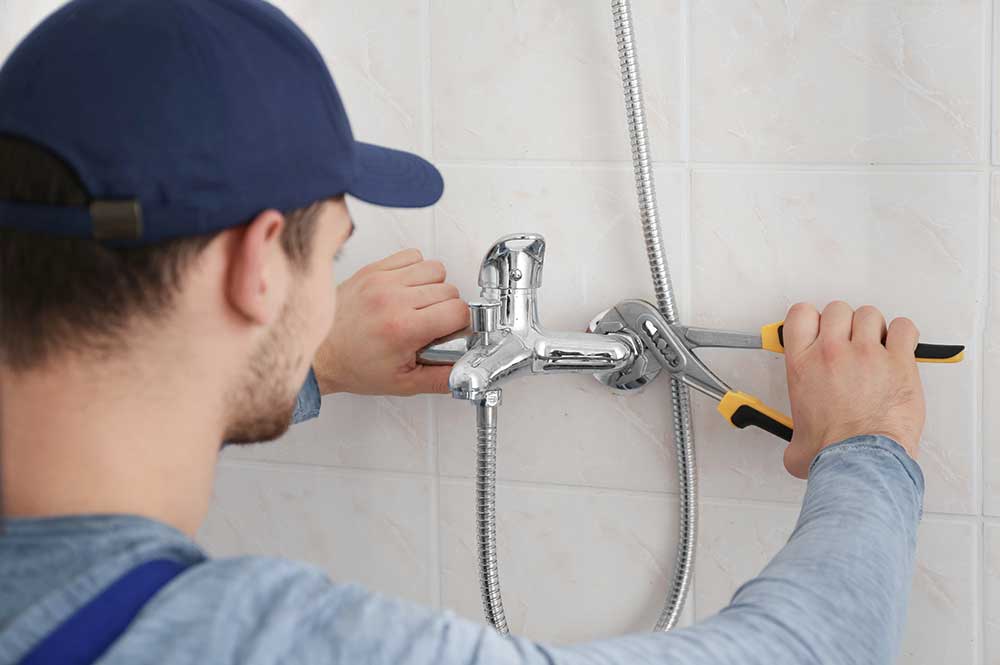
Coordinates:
column 486, row 414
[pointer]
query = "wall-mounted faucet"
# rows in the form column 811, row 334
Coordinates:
column 507, row 338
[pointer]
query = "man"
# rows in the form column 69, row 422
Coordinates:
column 172, row 175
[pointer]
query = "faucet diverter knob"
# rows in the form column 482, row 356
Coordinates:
column 485, row 315
column 514, row 262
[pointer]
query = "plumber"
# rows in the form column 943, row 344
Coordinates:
column 172, row 194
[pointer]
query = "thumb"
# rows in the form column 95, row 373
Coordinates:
column 432, row 379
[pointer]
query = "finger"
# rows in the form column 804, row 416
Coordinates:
column 835, row 322
column 868, row 327
column 431, row 379
column 902, row 338
column 801, row 328
column 425, row 272
column 426, row 295
column 440, row 320
column 407, row 257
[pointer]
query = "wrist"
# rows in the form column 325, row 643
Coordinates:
column 328, row 385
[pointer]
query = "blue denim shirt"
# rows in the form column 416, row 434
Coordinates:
column 307, row 402
column 835, row 593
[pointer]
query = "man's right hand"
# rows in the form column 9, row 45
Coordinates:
column 843, row 382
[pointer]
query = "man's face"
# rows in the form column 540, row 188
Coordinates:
column 263, row 400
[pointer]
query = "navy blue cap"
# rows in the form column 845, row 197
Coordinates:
column 184, row 117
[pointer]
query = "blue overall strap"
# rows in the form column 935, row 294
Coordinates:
column 87, row 633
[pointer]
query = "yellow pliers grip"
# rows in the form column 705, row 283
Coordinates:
column 743, row 410
column 772, row 338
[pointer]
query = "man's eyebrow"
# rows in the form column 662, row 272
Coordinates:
column 353, row 228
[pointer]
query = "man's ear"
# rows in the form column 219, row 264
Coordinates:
column 258, row 269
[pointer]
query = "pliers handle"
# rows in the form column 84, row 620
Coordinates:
column 773, row 339
column 673, row 345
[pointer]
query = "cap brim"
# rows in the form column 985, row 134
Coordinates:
column 394, row 178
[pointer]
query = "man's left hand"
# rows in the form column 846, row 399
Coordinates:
column 386, row 313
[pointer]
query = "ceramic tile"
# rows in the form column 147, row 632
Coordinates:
column 18, row 18
column 360, row 527
column 541, row 80
column 852, row 81
column 565, row 429
column 374, row 50
column 941, row 621
column 736, row 542
column 575, row 565
column 734, row 545
column 906, row 242
column 991, row 374
column 991, row 593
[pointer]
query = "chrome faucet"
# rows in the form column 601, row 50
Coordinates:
column 506, row 338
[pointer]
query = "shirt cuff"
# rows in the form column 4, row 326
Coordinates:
column 875, row 444
column 308, row 401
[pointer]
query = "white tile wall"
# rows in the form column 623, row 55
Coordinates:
column 807, row 149
column 991, row 584
column 539, row 80
column 838, row 81
column 991, row 383
column 359, row 526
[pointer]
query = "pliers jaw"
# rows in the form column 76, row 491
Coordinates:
column 662, row 348
column 671, row 347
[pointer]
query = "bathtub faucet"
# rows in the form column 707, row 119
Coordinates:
column 506, row 338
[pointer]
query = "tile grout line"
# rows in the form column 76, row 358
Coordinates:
column 990, row 128
column 548, row 486
column 432, row 412
column 735, row 166
column 989, row 104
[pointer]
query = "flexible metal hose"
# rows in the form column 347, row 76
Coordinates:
column 486, row 528
column 653, row 237
column 486, row 414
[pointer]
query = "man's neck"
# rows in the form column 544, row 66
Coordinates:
column 89, row 438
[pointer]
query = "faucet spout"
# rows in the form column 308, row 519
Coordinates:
column 581, row 352
column 485, row 366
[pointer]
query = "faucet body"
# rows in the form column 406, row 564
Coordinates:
column 507, row 338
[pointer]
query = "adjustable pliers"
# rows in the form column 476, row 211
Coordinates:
column 672, row 347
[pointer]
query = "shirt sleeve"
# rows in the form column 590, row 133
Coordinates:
column 308, row 401
column 836, row 592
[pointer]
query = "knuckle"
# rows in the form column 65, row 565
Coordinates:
column 412, row 254
column 453, row 292
column 437, row 270
column 800, row 309
column 379, row 298
column 394, row 329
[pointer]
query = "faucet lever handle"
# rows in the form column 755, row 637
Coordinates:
column 514, row 262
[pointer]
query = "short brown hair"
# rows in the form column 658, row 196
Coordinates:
column 62, row 294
